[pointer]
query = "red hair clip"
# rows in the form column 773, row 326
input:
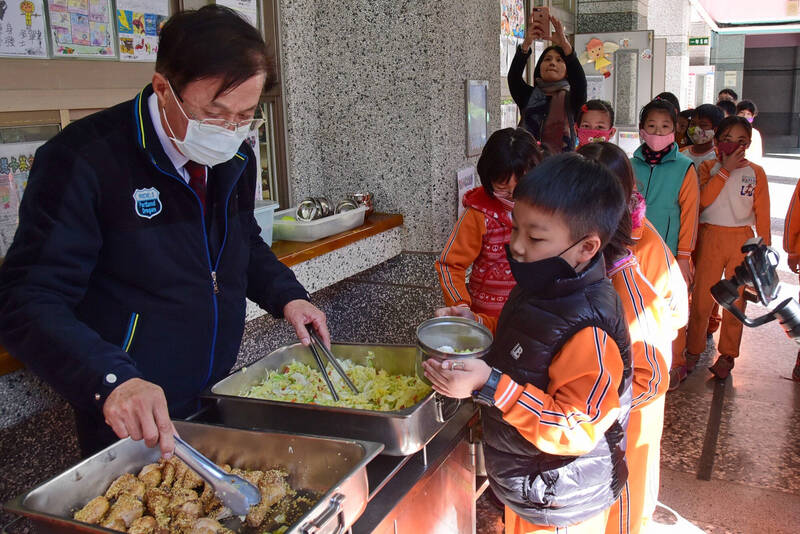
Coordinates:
column 584, row 108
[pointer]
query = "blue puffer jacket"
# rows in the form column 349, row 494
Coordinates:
column 111, row 273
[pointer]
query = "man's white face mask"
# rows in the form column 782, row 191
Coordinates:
column 207, row 144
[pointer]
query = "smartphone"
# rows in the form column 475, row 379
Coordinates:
column 541, row 19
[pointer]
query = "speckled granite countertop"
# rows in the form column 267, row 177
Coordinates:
column 381, row 305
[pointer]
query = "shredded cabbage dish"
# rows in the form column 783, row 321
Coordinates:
column 378, row 390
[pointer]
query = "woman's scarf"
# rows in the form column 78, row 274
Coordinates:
column 556, row 123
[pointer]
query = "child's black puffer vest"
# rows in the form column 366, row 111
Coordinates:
column 542, row 488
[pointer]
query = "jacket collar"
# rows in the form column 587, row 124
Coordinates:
column 594, row 272
column 672, row 155
column 149, row 143
column 553, row 277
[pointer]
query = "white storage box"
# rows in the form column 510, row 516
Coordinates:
column 264, row 213
column 294, row 230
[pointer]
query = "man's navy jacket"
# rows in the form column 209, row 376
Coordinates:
column 111, row 273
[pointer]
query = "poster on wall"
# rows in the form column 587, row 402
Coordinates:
column 81, row 28
column 16, row 160
column 512, row 31
column 246, row 8
column 22, row 29
column 477, row 98
column 467, row 179
column 139, row 24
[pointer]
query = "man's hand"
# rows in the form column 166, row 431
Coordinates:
column 299, row 313
column 456, row 311
column 559, row 38
column 138, row 409
column 794, row 263
column 457, row 378
column 687, row 270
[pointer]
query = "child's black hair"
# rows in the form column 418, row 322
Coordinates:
column 659, row 104
column 584, row 192
column 747, row 105
column 710, row 112
column 669, row 97
column 616, row 160
column 729, row 92
column 537, row 71
column 596, row 105
column 729, row 122
column 727, row 106
column 508, row 152
column 686, row 114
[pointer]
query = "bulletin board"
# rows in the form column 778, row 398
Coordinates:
column 82, row 29
column 23, row 32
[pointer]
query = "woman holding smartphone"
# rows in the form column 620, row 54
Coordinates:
column 548, row 108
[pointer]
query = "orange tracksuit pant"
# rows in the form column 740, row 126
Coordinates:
column 516, row 525
column 719, row 251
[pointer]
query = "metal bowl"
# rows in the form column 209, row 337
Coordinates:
column 307, row 210
column 455, row 332
column 364, row 199
column 346, row 205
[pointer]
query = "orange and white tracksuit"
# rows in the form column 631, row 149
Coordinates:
column 588, row 358
column 651, row 323
column 791, row 226
column 731, row 203
column 660, row 268
column 478, row 240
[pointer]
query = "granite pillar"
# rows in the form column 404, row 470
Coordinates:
column 375, row 102
column 600, row 16
column 670, row 19
column 727, row 54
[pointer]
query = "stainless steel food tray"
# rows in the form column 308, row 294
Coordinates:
column 335, row 468
column 403, row 432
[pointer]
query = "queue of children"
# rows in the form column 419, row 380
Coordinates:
column 582, row 265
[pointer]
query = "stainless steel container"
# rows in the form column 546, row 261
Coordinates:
column 364, row 199
column 346, row 205
column 457, row 333
column 307, row 210
column 403, row 432
column 326, row 207
column 335, row 468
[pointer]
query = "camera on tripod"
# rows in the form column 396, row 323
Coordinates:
column 759, row 271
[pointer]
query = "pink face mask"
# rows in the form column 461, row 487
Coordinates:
column 750, row 119
column 586, row 136
column 506, row 202
column 657, row 143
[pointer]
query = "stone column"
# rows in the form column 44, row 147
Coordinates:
column 727, row 54
column 670, row 19
column 599, row 16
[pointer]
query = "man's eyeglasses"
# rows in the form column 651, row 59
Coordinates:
column 248, row 125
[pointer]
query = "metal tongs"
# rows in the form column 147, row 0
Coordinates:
column 235, row 492
column 316, row 342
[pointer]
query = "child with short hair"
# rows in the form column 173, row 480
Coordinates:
column 728, row 107
column 727, row 94
column 556, row 385
column 595, row 122
column 480, row 235
column 667, row 180
column 702, row 127
column 681, row 137
column 748, row 110
column 734, row 196
column 791, row 244
column 651, row 326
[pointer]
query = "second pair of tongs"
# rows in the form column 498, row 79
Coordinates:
column 316, row 342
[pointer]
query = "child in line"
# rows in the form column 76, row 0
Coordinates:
column 669, row 97
column 548, row 108
column 734, row 196
column 595, row 122
column 556, row 386
column 681, row 136
column 727, row 94
column 791, row 244
column 702, row 127
column 728, row 107
column 748, row 110
column 480, row 235
column 651, row 329
column 667, row 180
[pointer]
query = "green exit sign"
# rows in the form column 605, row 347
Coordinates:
column 698, row 41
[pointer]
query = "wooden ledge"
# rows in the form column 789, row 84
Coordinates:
column 7, row 363
column 294, row 252
column 290, row 253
